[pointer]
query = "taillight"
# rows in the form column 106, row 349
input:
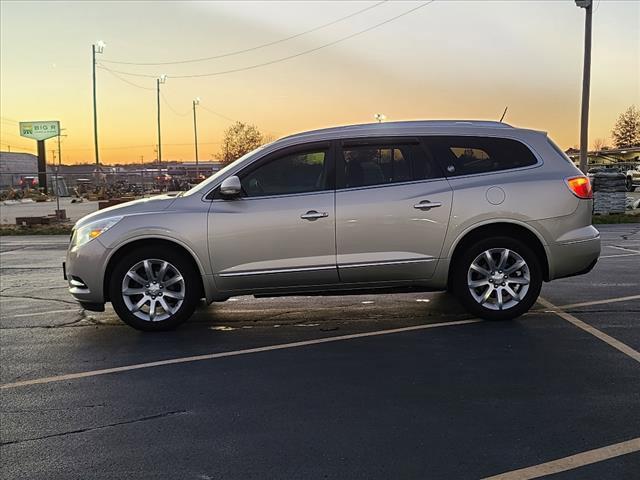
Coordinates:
column 580, row 186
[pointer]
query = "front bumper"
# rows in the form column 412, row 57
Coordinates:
column 84, row 271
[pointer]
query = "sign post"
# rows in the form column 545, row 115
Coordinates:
column 40, row 131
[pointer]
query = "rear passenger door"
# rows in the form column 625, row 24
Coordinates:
column 392, row 210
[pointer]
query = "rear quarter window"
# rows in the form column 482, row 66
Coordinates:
column 465, row 155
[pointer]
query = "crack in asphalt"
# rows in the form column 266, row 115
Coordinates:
column 99, row 427
column 83, row 317
column 31, row 297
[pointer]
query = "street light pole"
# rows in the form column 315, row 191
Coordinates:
column 196, row 101
column 159, row 80
column 586, row 83
column 95, row 48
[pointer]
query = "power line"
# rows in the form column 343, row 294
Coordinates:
column 218, row 114
column 251, row 49
column 166, row 102
column 115, row 74
column 289, row 57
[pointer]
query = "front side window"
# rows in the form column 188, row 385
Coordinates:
column 366, row 165
column 471, row 155
column 300, row 172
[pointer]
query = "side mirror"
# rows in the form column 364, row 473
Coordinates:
column 231, row 187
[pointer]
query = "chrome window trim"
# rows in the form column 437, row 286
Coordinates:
column 286, row 195
column 393, row 184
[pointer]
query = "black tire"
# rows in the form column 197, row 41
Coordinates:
column 630, row 187
column 184, row 266
column 461, row 271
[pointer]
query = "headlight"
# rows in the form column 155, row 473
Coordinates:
column 93, row 230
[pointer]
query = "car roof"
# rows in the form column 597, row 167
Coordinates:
column 412, row 127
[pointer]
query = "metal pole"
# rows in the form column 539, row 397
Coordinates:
column 57, row 187
column 42, row 166
column 95, row 111
column 159, row 141
column 586, row 86
column 195, row 139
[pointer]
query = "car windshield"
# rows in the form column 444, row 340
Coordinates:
column 204, row 185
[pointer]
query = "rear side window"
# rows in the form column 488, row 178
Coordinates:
column 372, row 164
column 472, row 155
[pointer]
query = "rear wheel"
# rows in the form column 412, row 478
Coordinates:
column 497, row 278
column 153, row 289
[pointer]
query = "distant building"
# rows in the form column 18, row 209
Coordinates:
column 14, row 166
column 607, row 157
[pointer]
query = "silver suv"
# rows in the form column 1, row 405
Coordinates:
column 482, row 209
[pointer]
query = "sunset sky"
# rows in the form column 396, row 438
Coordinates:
column 448, row 59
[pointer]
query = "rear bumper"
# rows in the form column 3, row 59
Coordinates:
column 573, row 258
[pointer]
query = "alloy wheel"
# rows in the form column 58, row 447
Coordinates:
column 153, row 290
column 498, row 279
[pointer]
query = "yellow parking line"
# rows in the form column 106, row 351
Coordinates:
column 623, row 248
column 571, row 462
column 618, row 345
column 600, row 302
column 619, row 255
column 211, row 356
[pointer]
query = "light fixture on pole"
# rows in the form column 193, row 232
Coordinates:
column 97, row 47
column 380, row 117
column 196, row 101
column 586, row 83
column 159, row 80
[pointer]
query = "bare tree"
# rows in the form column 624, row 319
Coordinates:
column 600, row 144
column 626, row 132
column 240, row 138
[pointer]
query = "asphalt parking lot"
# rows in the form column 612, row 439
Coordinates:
column 402, row 386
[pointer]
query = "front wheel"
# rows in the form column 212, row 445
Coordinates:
column 629, row 185
column 154, row 289
column 497, row 278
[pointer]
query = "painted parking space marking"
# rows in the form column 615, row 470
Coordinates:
column 600, row 302
column 620, row 255
column 46, row 313
column 618, row 345
column 571, row 462
column 212, row 356
column 623, row 248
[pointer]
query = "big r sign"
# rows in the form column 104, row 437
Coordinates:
column 40, row 130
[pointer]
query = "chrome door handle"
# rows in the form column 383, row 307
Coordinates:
column 427, row 205
column 313, row 215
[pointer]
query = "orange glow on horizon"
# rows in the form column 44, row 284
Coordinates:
column 448, row 60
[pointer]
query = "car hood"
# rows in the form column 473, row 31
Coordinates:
column 144, row 205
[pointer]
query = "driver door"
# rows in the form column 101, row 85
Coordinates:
column 281, row 231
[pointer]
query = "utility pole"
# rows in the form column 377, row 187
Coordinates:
column 586, row 83
column 196, row 101
column 57, row 187
column 159, row 80
column 97, row 47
